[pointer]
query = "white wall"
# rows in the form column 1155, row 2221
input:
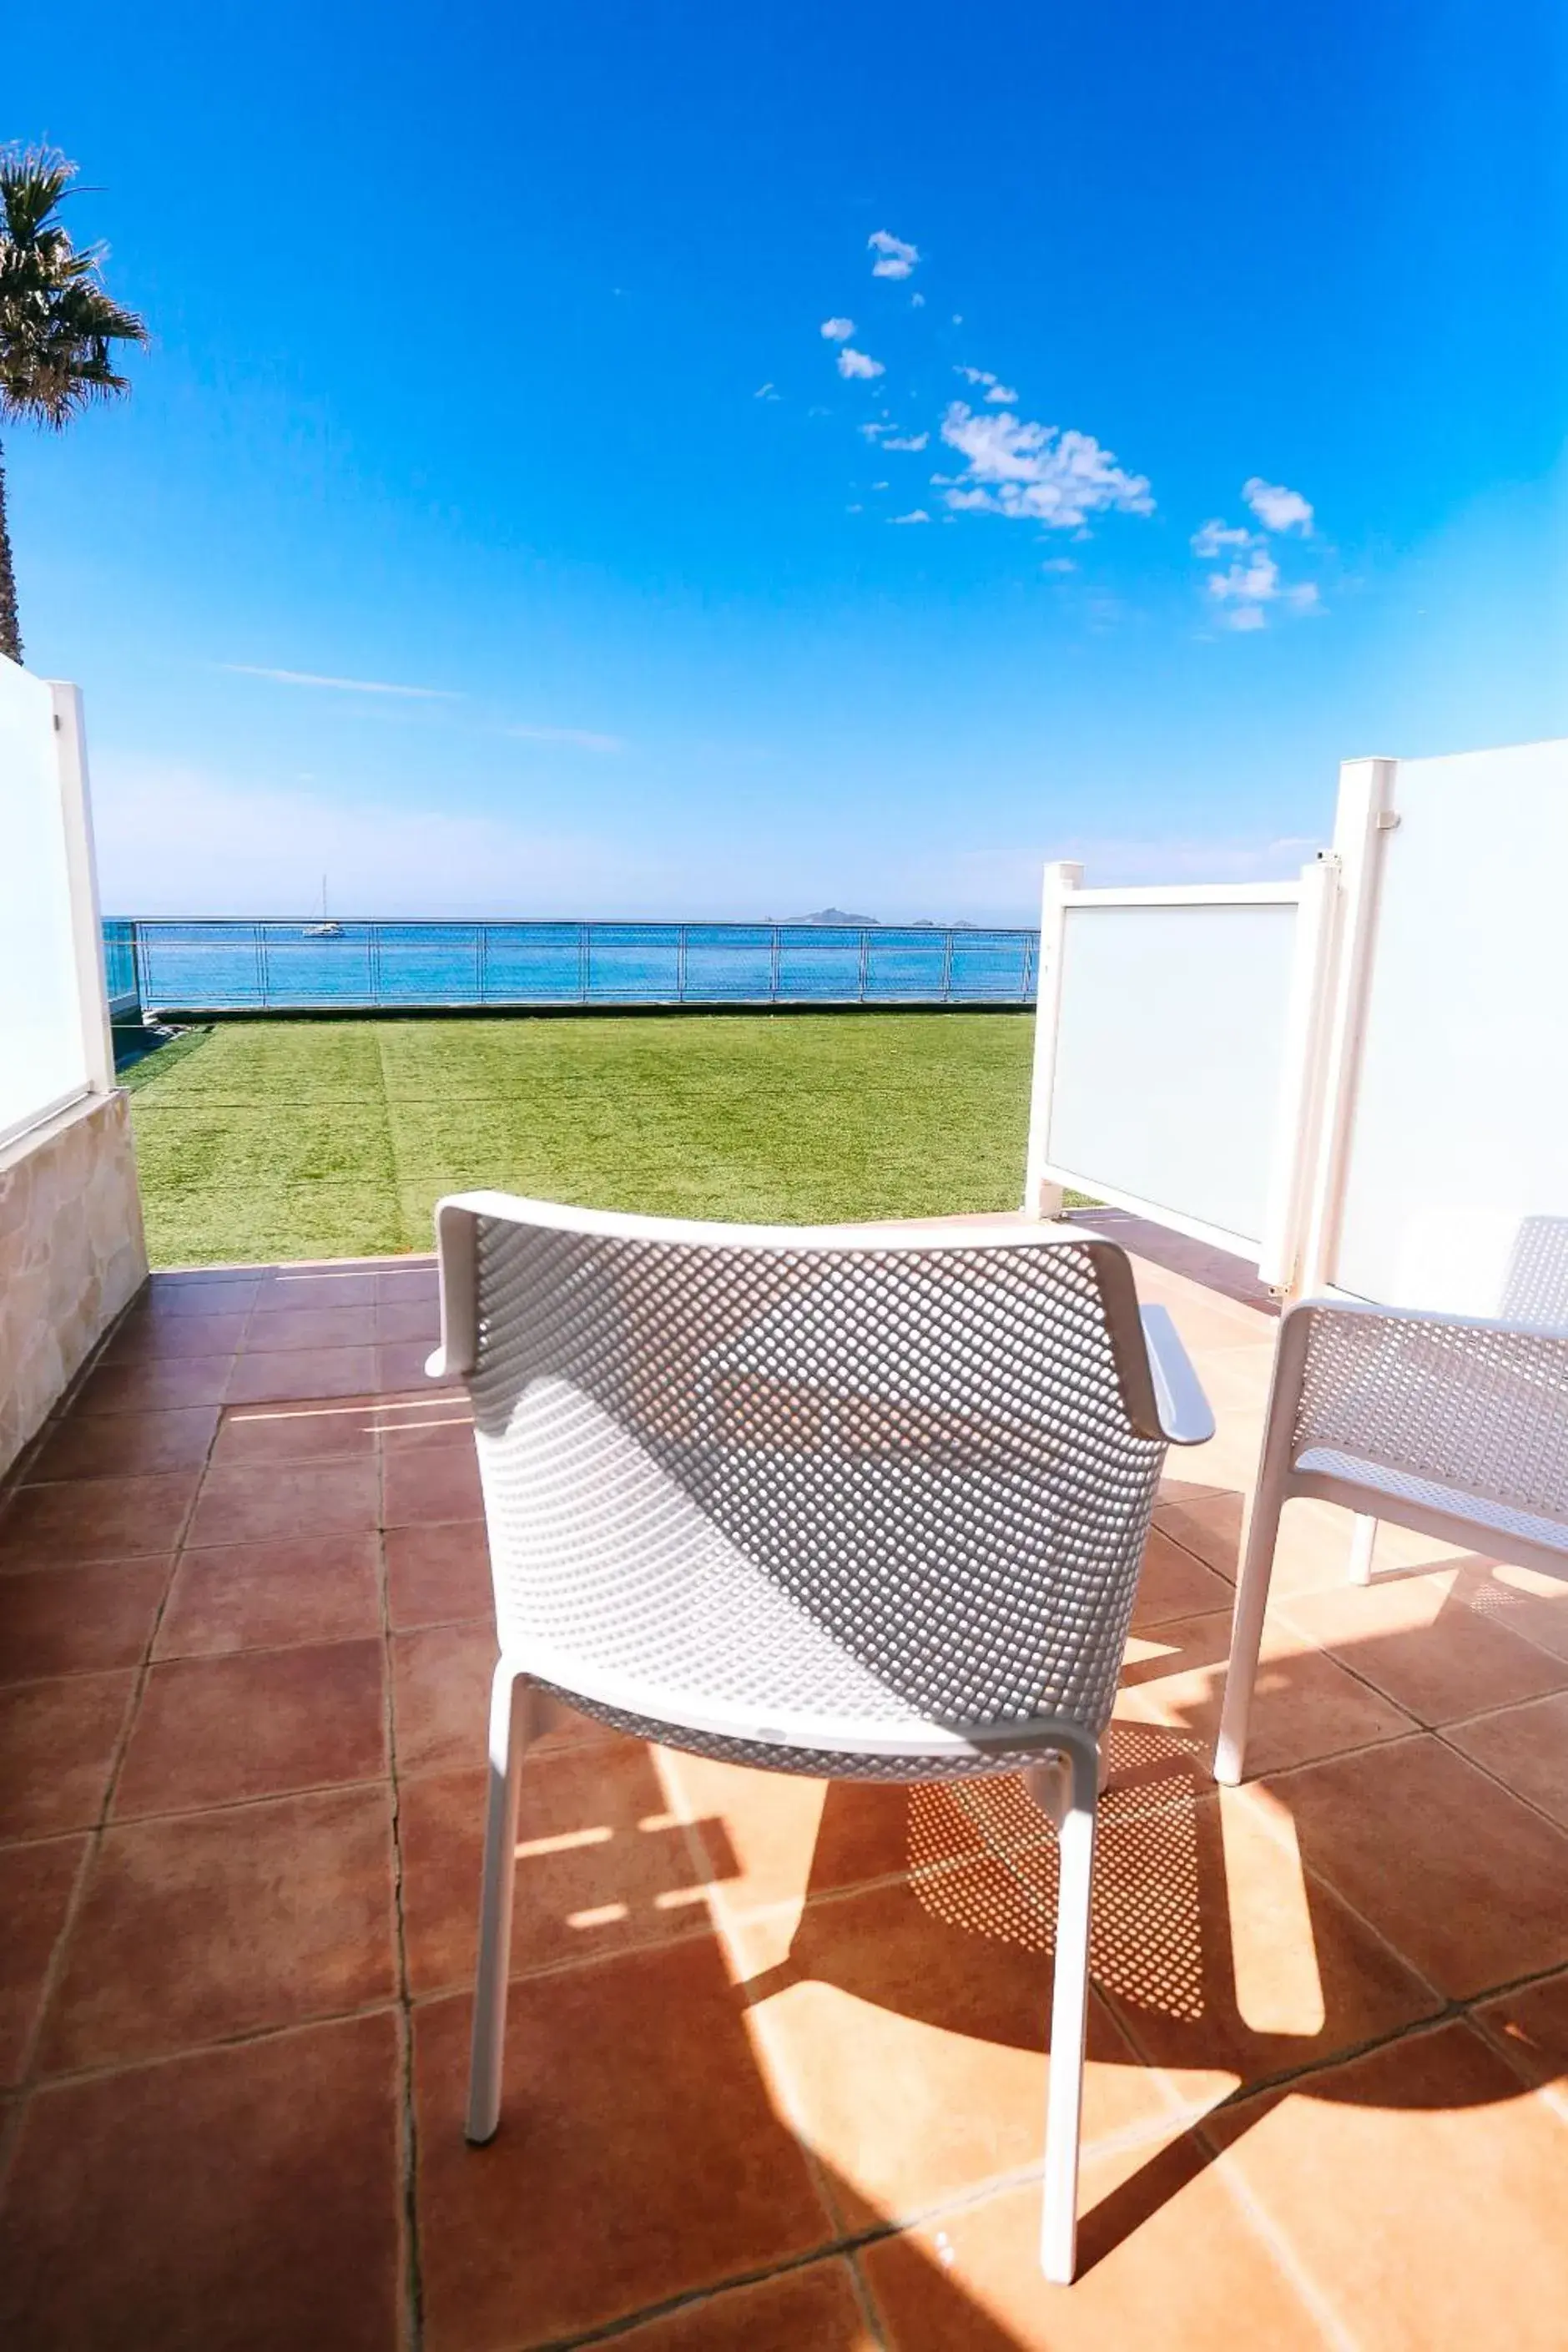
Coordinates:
column 46, row 1058
column 1459, row 1127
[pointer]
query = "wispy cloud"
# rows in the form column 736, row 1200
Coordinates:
column 918, row 301
column 837, row 330
column 343, row 685
column 856, row 363
column 1035, row 472
column 1276, row 508
column 916, row 514
column 767, row 392
column 1211, row 539
column 905, row 440
column 894, row 258
column 579, row 739
column 996, row 390
column 1059, row 563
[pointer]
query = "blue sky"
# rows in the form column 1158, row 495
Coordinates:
column 490, row 367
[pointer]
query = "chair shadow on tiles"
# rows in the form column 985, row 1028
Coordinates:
column 1226, row 1956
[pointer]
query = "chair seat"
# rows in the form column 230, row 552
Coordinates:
column 1487, row 1516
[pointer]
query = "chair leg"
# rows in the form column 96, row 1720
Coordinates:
column 1247, row 1632
column 1068, row 2020
column 1362, row 1536
column 511, row 1726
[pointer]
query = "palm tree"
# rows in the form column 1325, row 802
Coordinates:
column 57, row 323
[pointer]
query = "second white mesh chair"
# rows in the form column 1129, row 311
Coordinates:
column 861, row 1504
column 1450, row 1424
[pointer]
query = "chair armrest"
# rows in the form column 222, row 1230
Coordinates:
column 1185, row 1414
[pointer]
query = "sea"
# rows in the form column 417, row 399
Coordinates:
column 217, row 966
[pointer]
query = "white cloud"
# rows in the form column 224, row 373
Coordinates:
column 343, row 685
column 1059, row 563
column 767, row 392
column 580, row 738
column 906, row 440
column 837, row 330
column 894, row 258
column 1276, row 508
column 996, row 389
column 1037, row 472
column 916, row 514
column 882, row 486
column 855, row 363
column 1245, row 590
column 918, row 301
column 1211, row 539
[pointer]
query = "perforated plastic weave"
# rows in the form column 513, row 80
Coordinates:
column 848, row 1486
column 1467, row 1407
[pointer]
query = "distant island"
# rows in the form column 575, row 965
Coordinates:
column 835, row 917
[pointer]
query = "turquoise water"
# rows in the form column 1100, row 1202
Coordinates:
column 235, row 967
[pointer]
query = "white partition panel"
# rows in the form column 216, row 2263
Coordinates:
column 50, row 953
column 1171, row 1035
column 1453, row 1190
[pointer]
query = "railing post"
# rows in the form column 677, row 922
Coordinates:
column 482, row 960
column 263, row 978
column 948, row 970
column 1040, row 1197
column 773, row 968
column 681, row 965
column 864, row 966
column 582, row 961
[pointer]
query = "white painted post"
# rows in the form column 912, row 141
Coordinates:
column 87, row 926
column 1298, row 1115
column 1364, row 816
column 1042, row 1199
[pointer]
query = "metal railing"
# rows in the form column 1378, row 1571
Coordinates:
column 320, row 967
column 121, row 983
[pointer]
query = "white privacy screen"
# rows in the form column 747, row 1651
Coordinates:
column 1457, row 1185
column 42, row 1056
column 1170, row 1046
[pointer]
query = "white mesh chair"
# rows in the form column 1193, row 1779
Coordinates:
column 858, row 1503
column 1449, row 1424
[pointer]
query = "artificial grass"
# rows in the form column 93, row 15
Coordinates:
column 258, row 1141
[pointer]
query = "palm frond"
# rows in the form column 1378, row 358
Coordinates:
column 58, row 321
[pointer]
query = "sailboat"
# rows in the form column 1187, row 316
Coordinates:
column 325, row 928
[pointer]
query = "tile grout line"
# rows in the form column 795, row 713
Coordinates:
column 55, row 1971
column 408, row 2121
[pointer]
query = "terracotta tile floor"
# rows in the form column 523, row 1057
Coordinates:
column 777, row 2052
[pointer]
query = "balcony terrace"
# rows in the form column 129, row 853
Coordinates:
column 776, row 2065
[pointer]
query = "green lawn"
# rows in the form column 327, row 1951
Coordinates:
column 266, row 1140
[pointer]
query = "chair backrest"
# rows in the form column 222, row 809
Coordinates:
column 918, row 1473
column 1472, row 1405
column 1535, row 1289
